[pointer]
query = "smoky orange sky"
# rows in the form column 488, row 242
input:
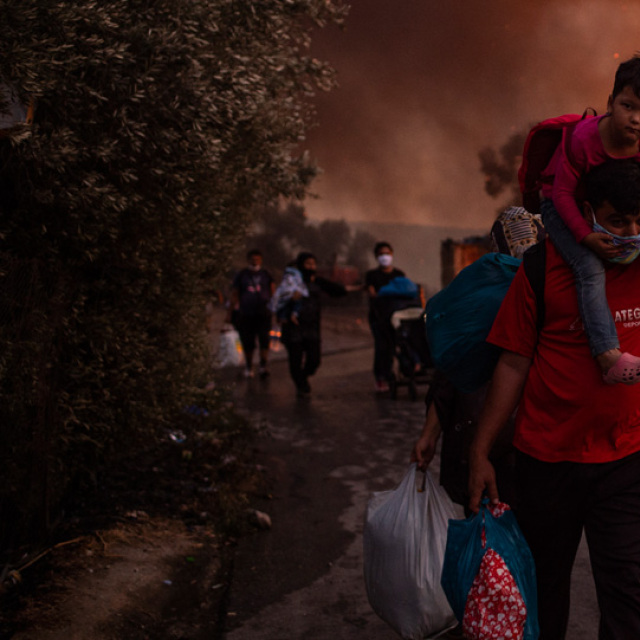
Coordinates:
column 425, row 84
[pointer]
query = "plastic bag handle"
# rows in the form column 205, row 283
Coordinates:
column 484, row 507
column 423, row 484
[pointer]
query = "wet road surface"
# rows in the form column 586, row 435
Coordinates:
column 325, row 455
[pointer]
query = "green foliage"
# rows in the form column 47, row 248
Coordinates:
column 159, row 127
column 282, row 231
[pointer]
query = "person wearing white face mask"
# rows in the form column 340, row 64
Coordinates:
column 577, row 438
column 379, row 320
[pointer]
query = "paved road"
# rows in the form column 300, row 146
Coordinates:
column 325, row 455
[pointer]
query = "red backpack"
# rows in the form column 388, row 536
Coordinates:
column 539, row 147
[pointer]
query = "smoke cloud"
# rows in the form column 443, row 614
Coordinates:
column 426, row 84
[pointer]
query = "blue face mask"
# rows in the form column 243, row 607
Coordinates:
column 630, row 244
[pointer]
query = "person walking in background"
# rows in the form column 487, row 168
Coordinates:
column 380, row 314
column 286, row 301
column 251, row 292
column 301, row 322
column 453, row 413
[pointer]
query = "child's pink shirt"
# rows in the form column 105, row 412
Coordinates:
column 587, row 152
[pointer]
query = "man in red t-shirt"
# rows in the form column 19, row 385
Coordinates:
column 577, row 438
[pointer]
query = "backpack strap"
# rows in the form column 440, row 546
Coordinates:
column 534, row 263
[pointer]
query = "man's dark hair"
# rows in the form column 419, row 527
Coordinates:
column 303, row 256
column 381, row 245
column 618, row 182
column 627, row 75
column 253, row 252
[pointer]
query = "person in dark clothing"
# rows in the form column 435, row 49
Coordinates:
column 251, row 291
column 454, row 415
column 301, row 332
column 380, row 314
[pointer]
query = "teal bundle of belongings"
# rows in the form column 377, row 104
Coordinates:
column 460, row 317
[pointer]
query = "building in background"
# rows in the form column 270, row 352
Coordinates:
column 456, row 255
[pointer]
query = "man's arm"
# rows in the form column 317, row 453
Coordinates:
column 504, row 394
column 425, row 448
column 334, row 289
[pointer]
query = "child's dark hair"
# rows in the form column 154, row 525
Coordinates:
column 618, row 182
column 253, row 252
column 628, row 75
column 380, row 246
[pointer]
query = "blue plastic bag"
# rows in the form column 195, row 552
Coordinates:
column 400, row 287
column 460, row 317
column 465, row 551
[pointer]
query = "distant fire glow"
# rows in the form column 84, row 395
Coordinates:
column 424, row 86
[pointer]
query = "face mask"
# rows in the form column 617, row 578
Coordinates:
column 385, row 259
column 630, row 244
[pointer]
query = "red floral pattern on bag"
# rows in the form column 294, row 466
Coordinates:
column 495, row 609
column 499, row 509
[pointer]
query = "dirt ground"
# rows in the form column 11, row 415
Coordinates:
column 138, row 578
column 151, row 560
column 147, row 563
column 147, row 580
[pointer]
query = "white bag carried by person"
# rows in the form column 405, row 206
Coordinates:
column 405, row 535
column 229, row 349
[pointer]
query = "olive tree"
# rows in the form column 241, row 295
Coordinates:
column 159, row 126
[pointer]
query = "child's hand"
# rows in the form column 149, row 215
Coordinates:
column 602, row 245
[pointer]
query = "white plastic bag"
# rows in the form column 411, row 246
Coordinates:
column 405, row 535
column 229, row 350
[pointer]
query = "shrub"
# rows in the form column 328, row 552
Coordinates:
column 158, row 128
